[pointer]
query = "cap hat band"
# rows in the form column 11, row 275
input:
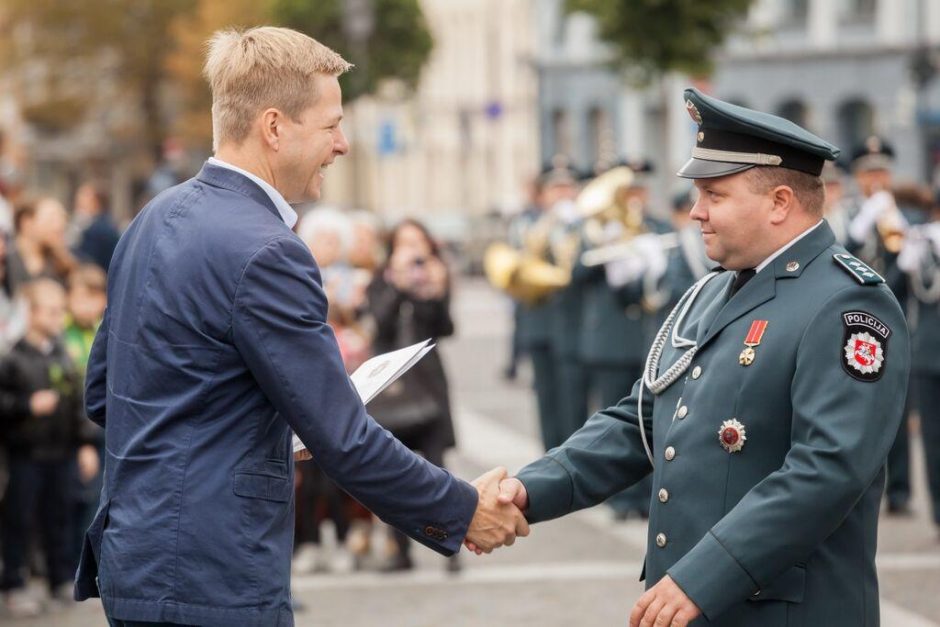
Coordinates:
column 757, row 158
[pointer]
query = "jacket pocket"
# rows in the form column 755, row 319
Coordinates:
column 263, row 485
column 789, row 586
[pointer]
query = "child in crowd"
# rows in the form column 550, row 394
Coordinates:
column 40, row 406
column 87, row 299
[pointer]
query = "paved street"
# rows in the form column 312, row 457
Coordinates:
column 581, row 570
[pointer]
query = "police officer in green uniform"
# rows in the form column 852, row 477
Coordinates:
column 768, row 404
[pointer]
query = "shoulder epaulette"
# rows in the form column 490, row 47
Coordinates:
column 857, row 269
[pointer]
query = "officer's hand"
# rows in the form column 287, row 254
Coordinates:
column 43, row 402
column 511, row 491
column 302, row 455
column 664, row 605
column 495, row 523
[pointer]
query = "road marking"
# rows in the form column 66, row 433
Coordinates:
column 503, row 574
column 488, row 443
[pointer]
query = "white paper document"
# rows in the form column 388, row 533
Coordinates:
column 380, row 372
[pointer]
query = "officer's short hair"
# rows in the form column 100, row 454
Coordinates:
column 249, row 71
column 808, row 189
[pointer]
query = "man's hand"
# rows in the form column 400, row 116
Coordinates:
column 495, row 523
column 43, row 403
column 302, row 455
column 511, row 492
column 664, row 605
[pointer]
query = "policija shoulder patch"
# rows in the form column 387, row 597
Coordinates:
column 866, row 345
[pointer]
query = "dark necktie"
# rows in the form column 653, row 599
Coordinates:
column 740, row 279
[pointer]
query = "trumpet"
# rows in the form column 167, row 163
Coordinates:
column 624, row 249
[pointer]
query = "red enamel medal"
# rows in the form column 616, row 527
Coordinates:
column 732, row 435
column 754, row 335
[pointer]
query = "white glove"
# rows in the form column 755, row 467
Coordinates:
column 624, row 270
column 869, row 214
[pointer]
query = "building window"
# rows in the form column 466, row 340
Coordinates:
column 856, row 122
column 857, row 10
column 795, row 111
column 561, row 132
column 794, row 13
column 600, row 137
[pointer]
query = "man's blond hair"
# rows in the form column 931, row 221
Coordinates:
column 252, row 70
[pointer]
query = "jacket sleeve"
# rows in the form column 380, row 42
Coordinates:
column 842, row 429
column 602, row 458
column 96, row 374
column 279, row 327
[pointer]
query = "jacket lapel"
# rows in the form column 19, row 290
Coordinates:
column 763, row 287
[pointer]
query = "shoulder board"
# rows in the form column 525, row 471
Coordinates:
column 858, row 270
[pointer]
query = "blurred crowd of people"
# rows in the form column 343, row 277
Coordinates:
column 595, row 268
column 386, row 290
column 53, row 264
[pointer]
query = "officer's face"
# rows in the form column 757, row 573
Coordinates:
column 311, row 143
column 734, row 221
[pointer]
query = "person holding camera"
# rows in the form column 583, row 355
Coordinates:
column 409, row 299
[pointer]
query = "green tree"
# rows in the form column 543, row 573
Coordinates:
column 383, row 38
column 652, row 37
column 70, row 42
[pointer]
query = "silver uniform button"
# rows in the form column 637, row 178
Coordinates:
column 696, row 372
column 663, row 495
column 683, row 412
column 670, row 453
column 660, row 540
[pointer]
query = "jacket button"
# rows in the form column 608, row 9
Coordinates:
column 663, row 495
column 670, row 453
column 696, row 372
column 683, row 412
column 661, row 540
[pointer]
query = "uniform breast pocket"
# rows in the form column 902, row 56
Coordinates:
column 263, row 485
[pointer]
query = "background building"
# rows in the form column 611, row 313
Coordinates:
column 466, row 142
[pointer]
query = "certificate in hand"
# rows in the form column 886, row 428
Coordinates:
column 380, row 372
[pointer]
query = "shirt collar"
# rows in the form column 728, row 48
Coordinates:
column 780, row 251
column 285, row 210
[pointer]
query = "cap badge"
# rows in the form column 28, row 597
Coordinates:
column 693, row 112
column 700, row 136
column 732, row 435
column 873, row 144
column 866, row 340
column 754, row 335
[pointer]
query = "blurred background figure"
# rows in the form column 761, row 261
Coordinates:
column 330, row 234
column 40, row 249
column 93, row 233
column 409, row 300
column 40, row 403
column 87, row 299
column 13, row 310
column 920, row 260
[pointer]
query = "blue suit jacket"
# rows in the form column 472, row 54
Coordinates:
column 214, row 346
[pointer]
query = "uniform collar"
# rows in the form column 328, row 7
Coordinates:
column 785, row 247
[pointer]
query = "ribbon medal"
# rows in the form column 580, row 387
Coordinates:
column 747, row 356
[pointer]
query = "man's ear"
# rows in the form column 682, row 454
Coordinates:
column 784, row 201
column 272, row 128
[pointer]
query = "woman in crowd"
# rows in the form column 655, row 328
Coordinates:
column 409, row 299
column 40, row 249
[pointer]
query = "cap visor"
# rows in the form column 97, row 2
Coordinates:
column 702, row 169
